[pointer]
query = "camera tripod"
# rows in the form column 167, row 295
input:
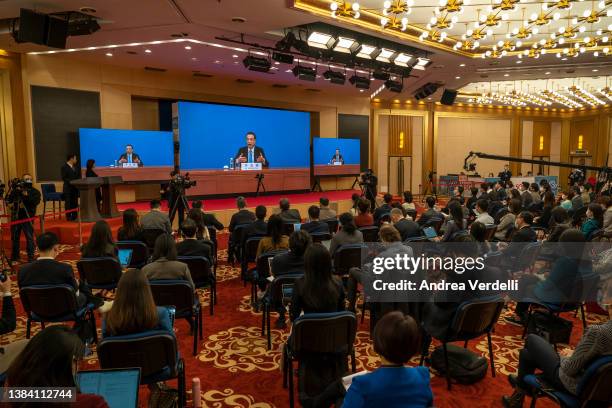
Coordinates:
column 180, row 200
column 16, row 206
column 260, row 183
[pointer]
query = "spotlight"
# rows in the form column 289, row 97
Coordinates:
column 346, row 45
column 426, row 90
column 381, row 75
column 321, row 40
column 360, row 82
column 335, row 77
column 305, row 73
column 422, row 63
column 287, row 42
column 394, row 86
column 385, row 55
column 367, row 52
column 258, row 64
column 282, row 57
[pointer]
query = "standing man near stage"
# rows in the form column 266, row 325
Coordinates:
column 505, row 176
column 22, row 199
column 70, row 172
column 251, row 153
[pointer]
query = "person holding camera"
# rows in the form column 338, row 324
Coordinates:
column 369, row 183
column 505, row 175
column 175, row 192
column 23, row 199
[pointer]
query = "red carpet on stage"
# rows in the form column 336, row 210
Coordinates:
column 236, row 369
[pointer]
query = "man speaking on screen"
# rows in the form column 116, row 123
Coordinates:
column 130, row 157
column 251, row 153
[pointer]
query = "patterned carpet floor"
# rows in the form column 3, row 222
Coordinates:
column 236, row 369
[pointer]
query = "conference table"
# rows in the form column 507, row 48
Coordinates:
column 330, row 170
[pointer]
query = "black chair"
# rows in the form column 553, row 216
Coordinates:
column 179, row 294
column 140, row 252
column 288, row 228
column 100, row 273
column 53, row 304
column 491, row 229
column 211, row 245
column 276, row 297
column 149, row 236
column 370, row 233
column 154, row 351
column 320, row 236
column 212, row 232
column 50, row 194
column 202, row 275
column 250, row 255
column 319, row 333
column 472, row 319
column 235, row 244
column 348, row 256
column 333, row 224
column 593, row 389
column 527, row 257
column 385, row 217
column 412, row 213
column 261, row 270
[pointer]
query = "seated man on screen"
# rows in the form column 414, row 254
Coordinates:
column 337, row 158
column 251, row 153
column 130, row 157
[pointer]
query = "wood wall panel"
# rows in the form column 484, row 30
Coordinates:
column 400, row 135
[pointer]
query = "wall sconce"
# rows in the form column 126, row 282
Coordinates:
column 580, row 140
column 401, row 141
column 541, row 142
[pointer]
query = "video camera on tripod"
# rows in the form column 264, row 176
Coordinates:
column 180, row 183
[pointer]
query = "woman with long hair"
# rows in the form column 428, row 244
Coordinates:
column 408, row 204
column 318, row 291
column 348, row 234
column 455, row 223
column 51, row 359
column 164, row 264
column 100, row 243
column 547, row 207
column 594, row 220
column 134, row 309
column 197, row 216
column 274, row 238
column 131, row 230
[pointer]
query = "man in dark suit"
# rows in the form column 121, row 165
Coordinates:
column 287, row 214
column 430, row 215
column 523, row 234
column 156, row 218
column 70, row 172
column 242, row 217
column 130, row 157
column 314, row 226
column 191, row 246
column 251, row 153
column 259, row 226
column 407, row 228
column 337, row 157
column 383, row 209
column 47, row 271
column 526, row 196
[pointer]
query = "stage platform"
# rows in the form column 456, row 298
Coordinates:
column 223, row 208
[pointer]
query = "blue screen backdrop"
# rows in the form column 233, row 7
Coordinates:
column 155, row 148
column 211, row 133
column 323, row 148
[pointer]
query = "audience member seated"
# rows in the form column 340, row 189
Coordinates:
column 315, row 226
column 347, row 234
column 243, row 216
column 208, row 218
column 563, row 370
column 318, row 291
column 585, row 193
column 566, row 200
column 430, row 214
column 51, row 359
column 594, row 220
column 534, row 190
column 396, row 339
column 500, row 189
column 483, row 216
column 515, row 194
column 131, row 230
column 156, row 218
column 478, row 231
column 471, row 202
column 191, row 245
column 559, row 222
column 526, row 197
column 524, row 232
column 577, row 202
column 506, row 223
column 407, row 228
column 259, row 227
column 288, row 214
column 325, row 213
column 364, row 217
column 355, row 200
column 100, row 243
column 196, row 216
column 455, row 223
column 164, row 264
column 408, row 204
column 274, row 238
column 134, row 309
column 47, row 271
column 606, row 204
column 547, row 207
column 383, row 209
column 8, row 323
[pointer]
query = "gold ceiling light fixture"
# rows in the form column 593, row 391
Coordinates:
column 345, row 9
column 395, row 14
column 584, row 95
column 452, row 6
column 606, row 92
column 561, row 99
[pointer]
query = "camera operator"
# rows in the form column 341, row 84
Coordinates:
column 577, row 175
column 175, row 191
column 368, row 182
column 22, row 199
column 505, row 176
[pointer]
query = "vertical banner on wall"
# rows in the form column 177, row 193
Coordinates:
column 175, row 134
column 552, row 180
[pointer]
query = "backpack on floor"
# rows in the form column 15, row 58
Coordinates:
column 465, row 366
column 553, row 329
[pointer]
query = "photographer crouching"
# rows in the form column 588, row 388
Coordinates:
column 175, row 192
column 22, row 199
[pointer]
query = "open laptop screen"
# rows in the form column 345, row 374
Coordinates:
column 125, row 257
column 119, row 387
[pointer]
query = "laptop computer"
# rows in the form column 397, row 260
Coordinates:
column 125, row 257
column 430, row 232
column 119, row 387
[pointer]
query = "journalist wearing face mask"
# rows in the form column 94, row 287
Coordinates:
column 22, row 199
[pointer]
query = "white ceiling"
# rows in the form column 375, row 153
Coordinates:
column 124, row 22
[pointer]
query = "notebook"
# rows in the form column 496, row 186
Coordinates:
column 125, row 257
column 430, row 232
column 119, row 387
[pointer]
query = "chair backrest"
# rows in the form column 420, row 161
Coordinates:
column 154, row 351
column 370, row 233
column 476, row 317
column 348, row 256
column 101, row 271
column 46, row 189
column 490, row 232
column 276, row 287
column 595, row 383
column 263, row 264
column 385, row 217
column 493, row 258
column 199, row 268
column 49, row 301
column 412, row 213
column 238, row 233
column 150, row 235
column 250, row 248
column 287, row 228
column 212, row 247
column 171, row 292
column 529, row 254
column 320, row 236
column 212, row 232
column 420, row 238
column 333, row 224
column 324, row 333
column 140, row 252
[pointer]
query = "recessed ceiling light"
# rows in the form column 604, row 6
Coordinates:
column 462, row 65
column 276, row 63
column 217, row 62
column 194, row 59
column 429, row 99
column 547, row 73
column 109, row 54
column 506, row 75
column 563, row 59
column 519, row 62
column 361, row 90
column 595, row 70
column 188, row 47
column 234, row 56
column 288, row 71
column 148, row 51
column 236, row 62
column 457, row 77
column 402, row 59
